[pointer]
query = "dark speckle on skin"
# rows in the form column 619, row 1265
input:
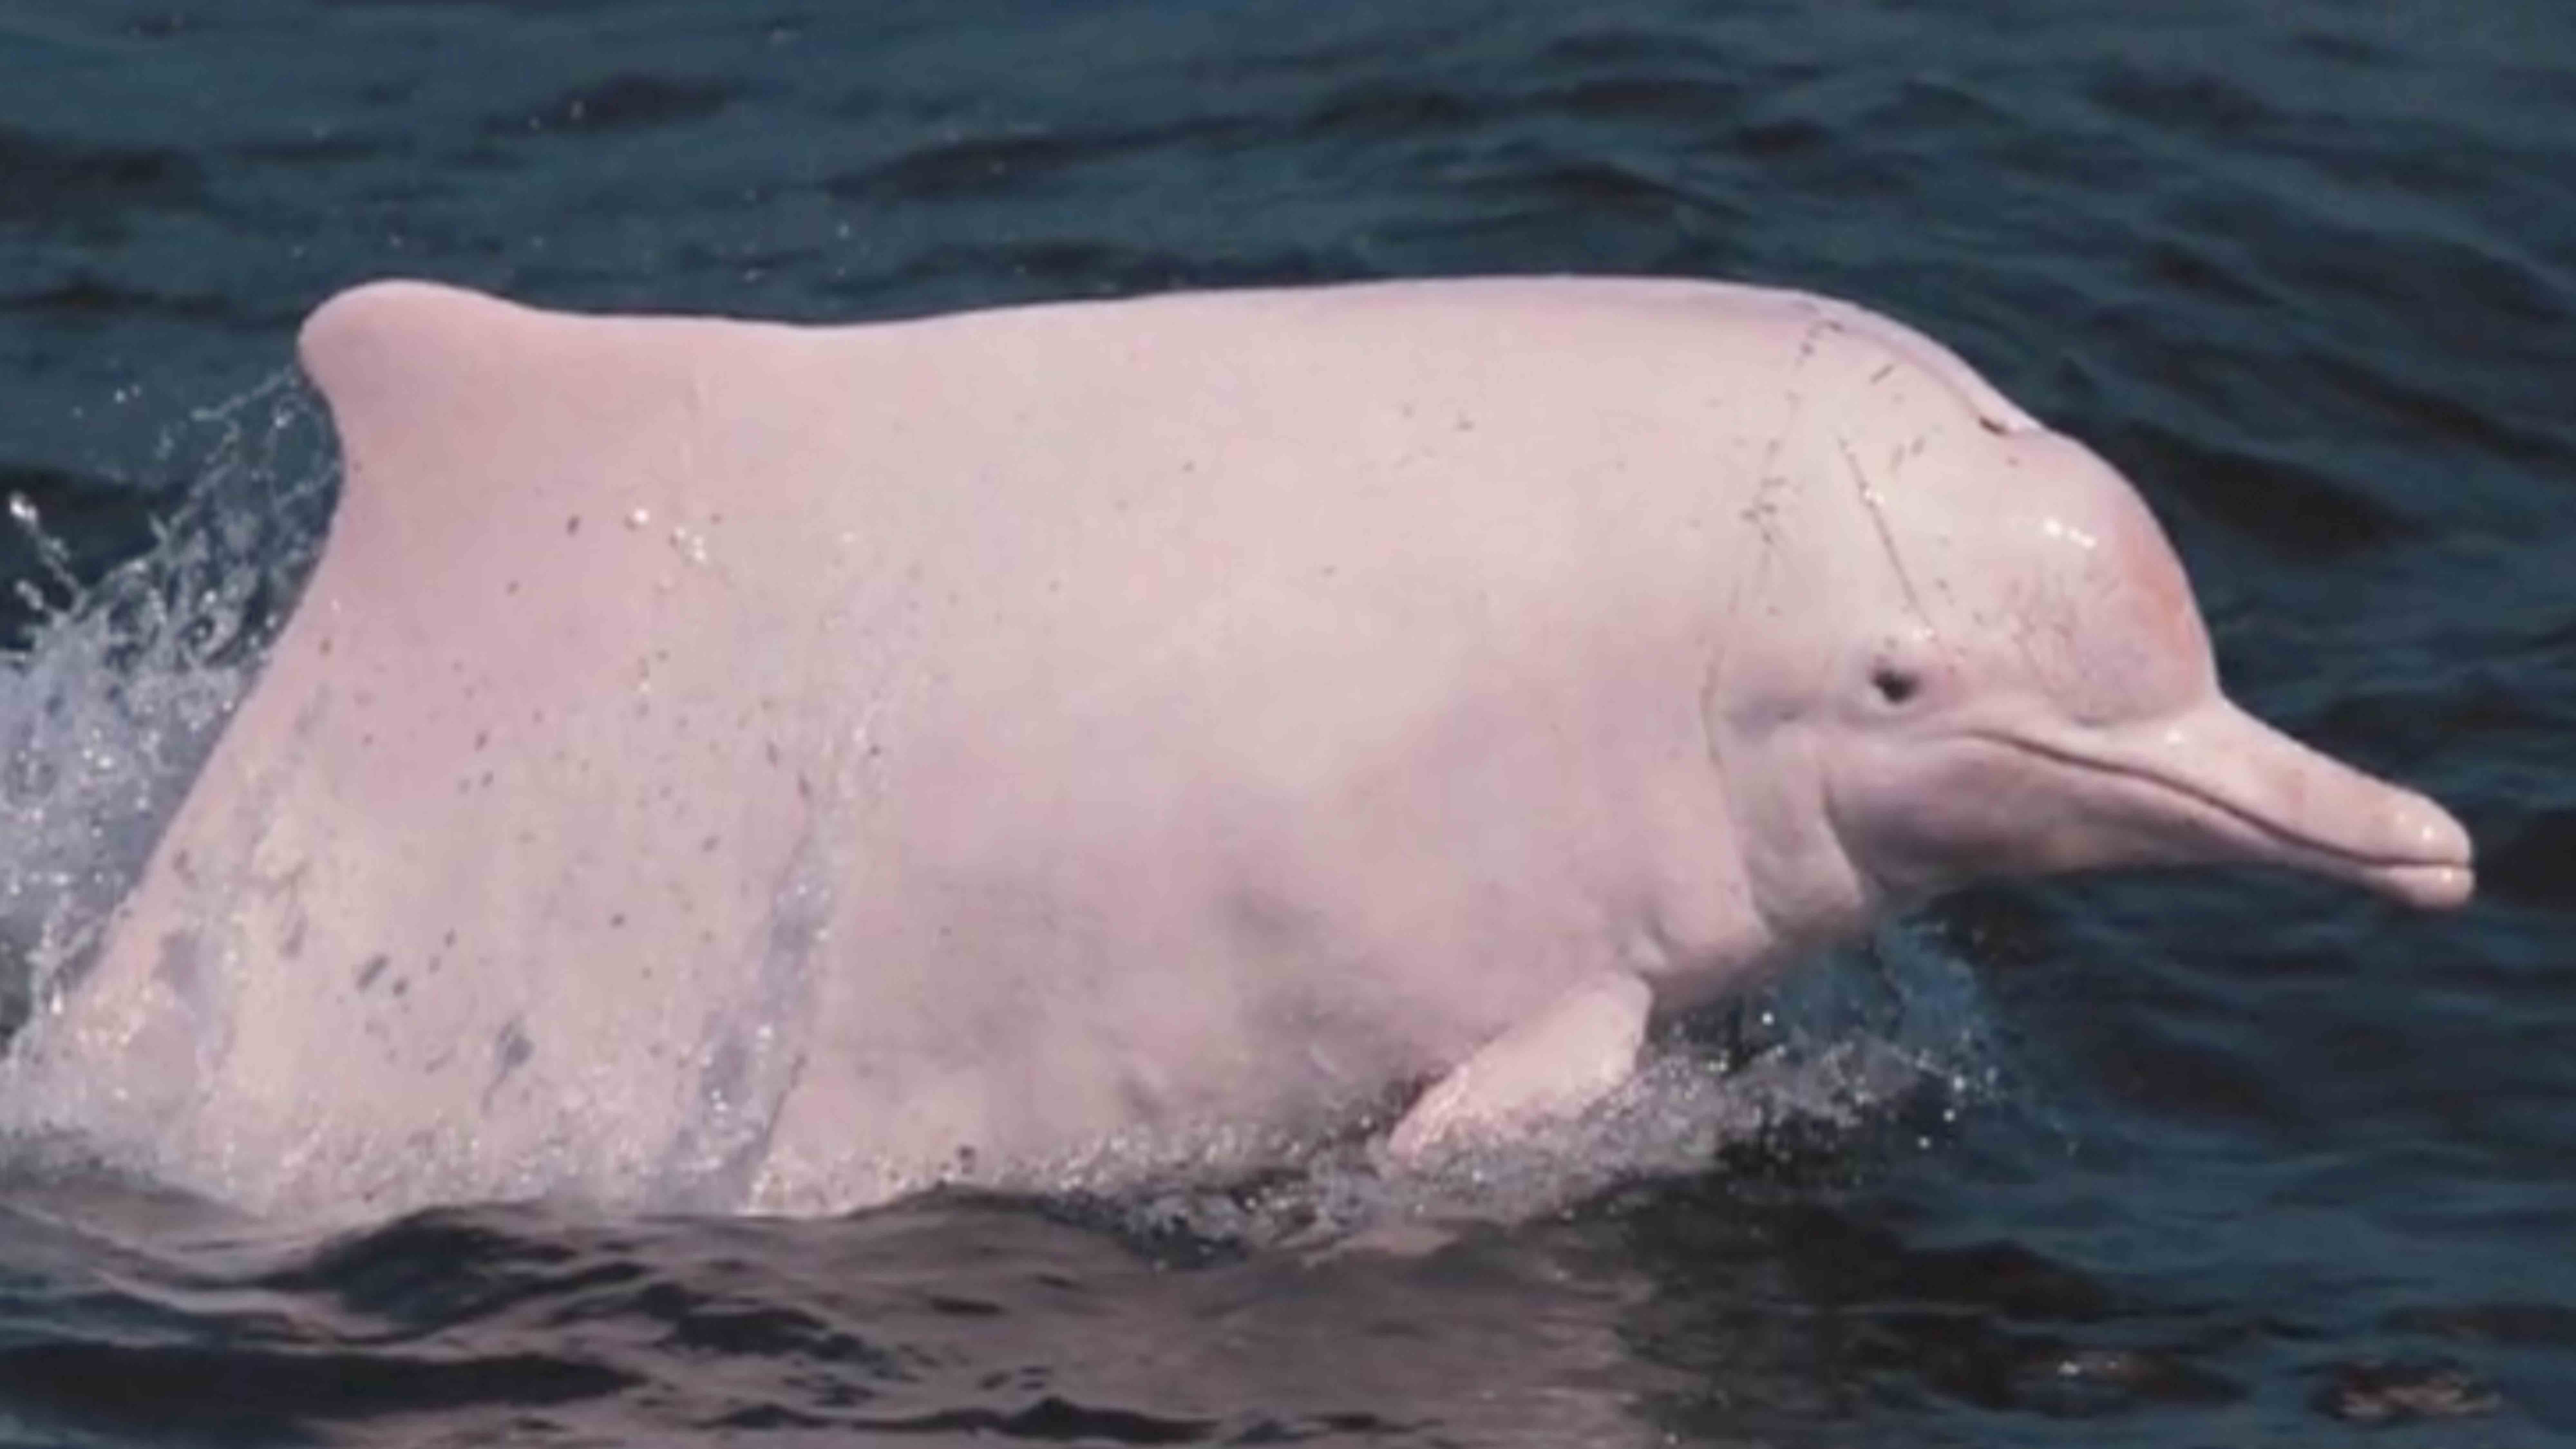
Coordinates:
column 371, row 968
column 178, row 965
column 511, row 1050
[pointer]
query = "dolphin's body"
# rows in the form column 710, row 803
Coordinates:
column 759, row 766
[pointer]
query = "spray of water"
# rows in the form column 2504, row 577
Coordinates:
column 1891, row 1033
column 126, row 678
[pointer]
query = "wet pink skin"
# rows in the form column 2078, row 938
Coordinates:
column 753, row 766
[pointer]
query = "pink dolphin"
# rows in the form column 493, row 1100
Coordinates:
column 774, row 767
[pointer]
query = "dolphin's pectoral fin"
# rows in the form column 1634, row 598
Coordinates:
column 1547, row 1069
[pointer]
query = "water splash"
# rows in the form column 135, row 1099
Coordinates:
column 125, row 680
column 1892, row 1033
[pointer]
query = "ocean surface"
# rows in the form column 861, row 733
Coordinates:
column 2186, row 1160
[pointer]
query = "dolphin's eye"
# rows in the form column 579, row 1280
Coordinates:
column 1895, row 685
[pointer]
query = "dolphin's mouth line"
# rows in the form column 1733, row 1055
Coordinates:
column 2264, row 826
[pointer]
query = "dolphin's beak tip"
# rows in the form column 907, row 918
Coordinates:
column 2434, row 887
column 2308, row 811
column 2440, row 871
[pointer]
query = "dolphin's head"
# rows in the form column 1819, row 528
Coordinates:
column 1997, row 669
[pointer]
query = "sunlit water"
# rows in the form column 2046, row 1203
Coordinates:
column 2163, row 1161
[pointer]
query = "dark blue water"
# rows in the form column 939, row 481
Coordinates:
column 2210, row 1160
